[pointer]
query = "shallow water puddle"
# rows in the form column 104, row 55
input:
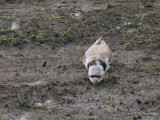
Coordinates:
column 26, row 116
column 49, row 104
column 118, row 27
column 15, row 25
column 78, row 14
column 124, row 24
column 127, row 23
column 36, row 83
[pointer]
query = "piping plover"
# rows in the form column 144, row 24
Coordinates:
column 97, row 60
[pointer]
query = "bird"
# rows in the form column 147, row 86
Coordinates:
column 97, row 60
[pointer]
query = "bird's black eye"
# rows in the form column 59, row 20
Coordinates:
column 93, row 76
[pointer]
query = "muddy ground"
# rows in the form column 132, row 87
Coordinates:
column 41, row 71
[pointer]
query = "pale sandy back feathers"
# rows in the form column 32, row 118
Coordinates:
column 98, row 51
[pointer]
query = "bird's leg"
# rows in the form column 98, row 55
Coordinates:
column 106, row 75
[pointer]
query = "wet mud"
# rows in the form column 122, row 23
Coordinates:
column 42, row 44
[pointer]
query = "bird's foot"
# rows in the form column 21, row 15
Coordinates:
column 106, row 75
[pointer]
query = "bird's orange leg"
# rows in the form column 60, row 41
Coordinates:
column 106, row 75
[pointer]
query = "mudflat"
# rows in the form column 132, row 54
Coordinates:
column 42, row 44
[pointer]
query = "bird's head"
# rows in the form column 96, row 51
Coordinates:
column 95, row 73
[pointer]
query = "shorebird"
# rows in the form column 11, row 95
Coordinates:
column 97, row 60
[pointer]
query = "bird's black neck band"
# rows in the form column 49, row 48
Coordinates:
column 94, row 62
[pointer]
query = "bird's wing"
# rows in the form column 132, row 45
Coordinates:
column 85, row 61
column 98, row 41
